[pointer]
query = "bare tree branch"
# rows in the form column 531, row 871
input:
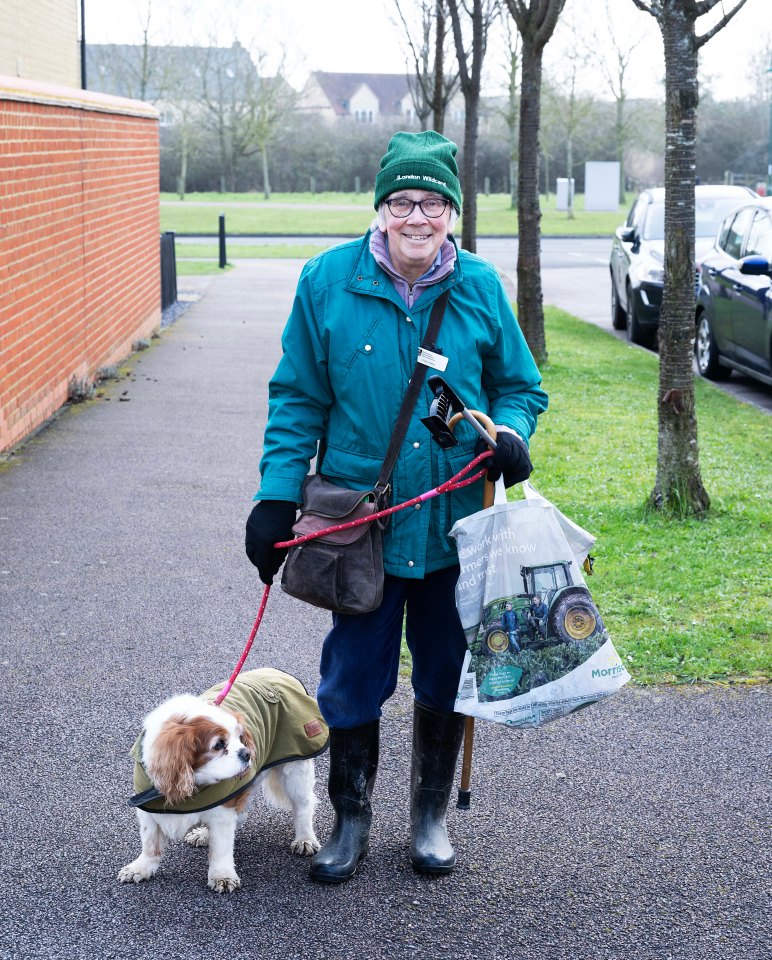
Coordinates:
column 701, row 41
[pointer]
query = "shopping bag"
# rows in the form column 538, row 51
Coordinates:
column 537, row 646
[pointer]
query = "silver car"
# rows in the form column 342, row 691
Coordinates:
column 638, row 254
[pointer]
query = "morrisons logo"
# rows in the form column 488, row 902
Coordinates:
column 608, row 671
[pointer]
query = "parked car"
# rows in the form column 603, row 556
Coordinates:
column 638, row 254
column 734, row 299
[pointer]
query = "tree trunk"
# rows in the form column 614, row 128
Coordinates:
column 513, row 118
column 223, row 157
column 183, row 178
column 470, row 72
column 513, row 184
column 620, row 139
column 471, row 124
column 266, row 181
column 570, row 174
column 678, row 488
column 438, row 96
column 530, row 309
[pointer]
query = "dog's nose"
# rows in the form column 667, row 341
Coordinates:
column 244, row 755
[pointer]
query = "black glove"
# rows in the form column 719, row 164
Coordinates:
column 510, row 458
column 270, row 522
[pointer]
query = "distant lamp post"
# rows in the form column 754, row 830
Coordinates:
column 83, row 82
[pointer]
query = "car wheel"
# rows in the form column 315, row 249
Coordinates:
column 618, row 315
column 706, row 351
column 635, row 334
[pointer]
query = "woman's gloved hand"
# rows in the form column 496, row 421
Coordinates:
column 270, row 522
column 510, row 458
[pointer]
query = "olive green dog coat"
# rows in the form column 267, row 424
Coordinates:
column 285, row 724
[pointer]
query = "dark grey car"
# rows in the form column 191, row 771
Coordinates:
column 734, row 300
column 638, row 254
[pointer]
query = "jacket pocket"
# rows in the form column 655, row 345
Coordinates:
column 467, row 500
column 352, row 466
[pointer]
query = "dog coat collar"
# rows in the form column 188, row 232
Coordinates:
column 285, row 724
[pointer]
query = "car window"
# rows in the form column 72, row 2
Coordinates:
column 733, row 245
column 709, row 213
column 654, row 225
column 635, row 212
column 726, row 227
column 760, row 237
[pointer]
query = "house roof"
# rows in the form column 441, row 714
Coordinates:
column 339, row 88
column 152, row 73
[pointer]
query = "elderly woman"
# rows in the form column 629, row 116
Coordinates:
column 350, row 345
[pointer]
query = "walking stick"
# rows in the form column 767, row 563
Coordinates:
column 464, row 790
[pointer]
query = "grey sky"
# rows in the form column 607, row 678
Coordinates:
column 360, row 36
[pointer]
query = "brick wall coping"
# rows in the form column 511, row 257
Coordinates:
column 34, row 91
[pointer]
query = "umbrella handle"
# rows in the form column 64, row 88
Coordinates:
column 464, row 790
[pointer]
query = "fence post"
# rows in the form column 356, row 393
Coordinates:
column 168, row 270
column 223, row 259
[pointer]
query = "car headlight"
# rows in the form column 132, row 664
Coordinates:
column 648, row 270
column 654, row 274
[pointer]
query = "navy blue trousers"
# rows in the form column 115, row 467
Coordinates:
column 360, row 655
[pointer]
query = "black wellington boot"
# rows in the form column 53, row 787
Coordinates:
column 353, row 764
column 436, row 743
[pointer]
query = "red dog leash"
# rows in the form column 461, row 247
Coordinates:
column 454, row 483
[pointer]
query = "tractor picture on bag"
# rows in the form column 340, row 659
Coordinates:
column 532, row 638
column 552, row 610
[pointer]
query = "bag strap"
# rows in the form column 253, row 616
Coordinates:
column 410, row 398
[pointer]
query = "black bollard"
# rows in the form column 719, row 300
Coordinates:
column 223, row 258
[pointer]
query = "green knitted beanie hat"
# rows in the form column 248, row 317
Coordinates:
column 419, row 161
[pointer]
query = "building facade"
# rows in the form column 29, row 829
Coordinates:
column 40, row 41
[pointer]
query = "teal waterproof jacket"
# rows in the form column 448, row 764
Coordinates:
column 350, row 346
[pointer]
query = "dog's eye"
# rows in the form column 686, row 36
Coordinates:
column 219, row 744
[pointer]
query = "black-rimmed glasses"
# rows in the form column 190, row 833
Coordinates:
column 402, row 207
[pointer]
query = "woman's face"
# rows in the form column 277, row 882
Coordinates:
column 415, row 240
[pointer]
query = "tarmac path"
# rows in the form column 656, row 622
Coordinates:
column 636, row 829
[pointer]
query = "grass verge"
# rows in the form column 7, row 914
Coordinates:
column 333, row 214
column 198, row 268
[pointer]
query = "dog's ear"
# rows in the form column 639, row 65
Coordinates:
column 170, row 765
column 246, row 734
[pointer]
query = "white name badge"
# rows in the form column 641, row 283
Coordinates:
column 434, row 360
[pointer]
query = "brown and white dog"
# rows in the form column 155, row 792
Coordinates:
column 189, row 744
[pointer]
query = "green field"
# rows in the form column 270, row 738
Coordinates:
column 341, row 214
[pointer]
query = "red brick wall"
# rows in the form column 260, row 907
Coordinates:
column 79, row 242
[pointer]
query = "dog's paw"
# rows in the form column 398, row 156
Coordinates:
column 305, row 846
column 224, row 884
column 136, row 872
column 197, row 837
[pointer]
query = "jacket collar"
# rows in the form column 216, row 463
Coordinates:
column 370, row 279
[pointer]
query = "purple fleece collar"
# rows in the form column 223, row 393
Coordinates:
column 442, row 266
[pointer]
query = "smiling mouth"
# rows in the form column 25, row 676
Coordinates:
column 416, row 236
